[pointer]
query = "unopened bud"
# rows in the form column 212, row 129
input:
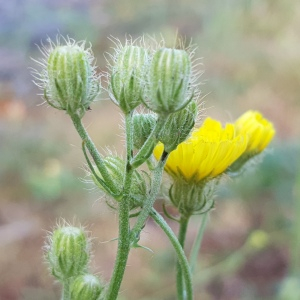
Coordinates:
column 68, row 78
column 86, row 287
column 169, row 80
column 127, row 78
column 68, row 252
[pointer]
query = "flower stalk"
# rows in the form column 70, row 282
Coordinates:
column 94, row 152
column 183, row 226
column 149, row 201
column 186, row 273
column 124, row 226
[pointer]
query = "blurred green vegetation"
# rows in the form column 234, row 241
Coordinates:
column 251, row 58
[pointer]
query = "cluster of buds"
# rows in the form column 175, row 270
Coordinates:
column 163, row 80
column 159, row 78
column 67, row 253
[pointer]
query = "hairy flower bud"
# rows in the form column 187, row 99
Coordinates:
column 178, row 127
column 169, row 80
column 68, row 78
column 127, row 79
column 86, row 287
column 143, row 125
column 67, row 252
column 116, row 167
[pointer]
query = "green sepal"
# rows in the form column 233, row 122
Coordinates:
column 192, row 198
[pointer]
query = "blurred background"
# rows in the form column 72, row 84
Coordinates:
column 250, row 51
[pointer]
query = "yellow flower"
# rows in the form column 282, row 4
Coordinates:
column 206, row 154
column 259, row 130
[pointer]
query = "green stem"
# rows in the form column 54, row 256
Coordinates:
column 181, row 238
column 186, row 274
column 197, row 243
column 66, row 290
column 94, row 152
column 147, row 148
column 148, row 204
column 124, row 225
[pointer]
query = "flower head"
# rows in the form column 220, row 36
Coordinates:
column 259, row 130
column 206, row 154
column 195, row 162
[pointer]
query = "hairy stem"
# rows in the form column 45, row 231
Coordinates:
column 148, row 204
column 66, row 290
column 181, row 238
column 94, row 152
column 124, row 225
column 186, row 274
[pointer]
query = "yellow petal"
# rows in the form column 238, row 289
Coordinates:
column 207, row 153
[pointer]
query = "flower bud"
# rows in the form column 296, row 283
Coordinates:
column 116, row 167
column 178, row 127
column 169, row 81
column 191, row 198
column 68, row 252
column 143, row 125
column 259, row 131
column 127, row 79
column 86, row 287
column 68, row 78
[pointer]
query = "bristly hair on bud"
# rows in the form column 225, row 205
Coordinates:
column 172, row 79
column 86, row 287
column 127, row 69
column 67, row 251
column 67, row 75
